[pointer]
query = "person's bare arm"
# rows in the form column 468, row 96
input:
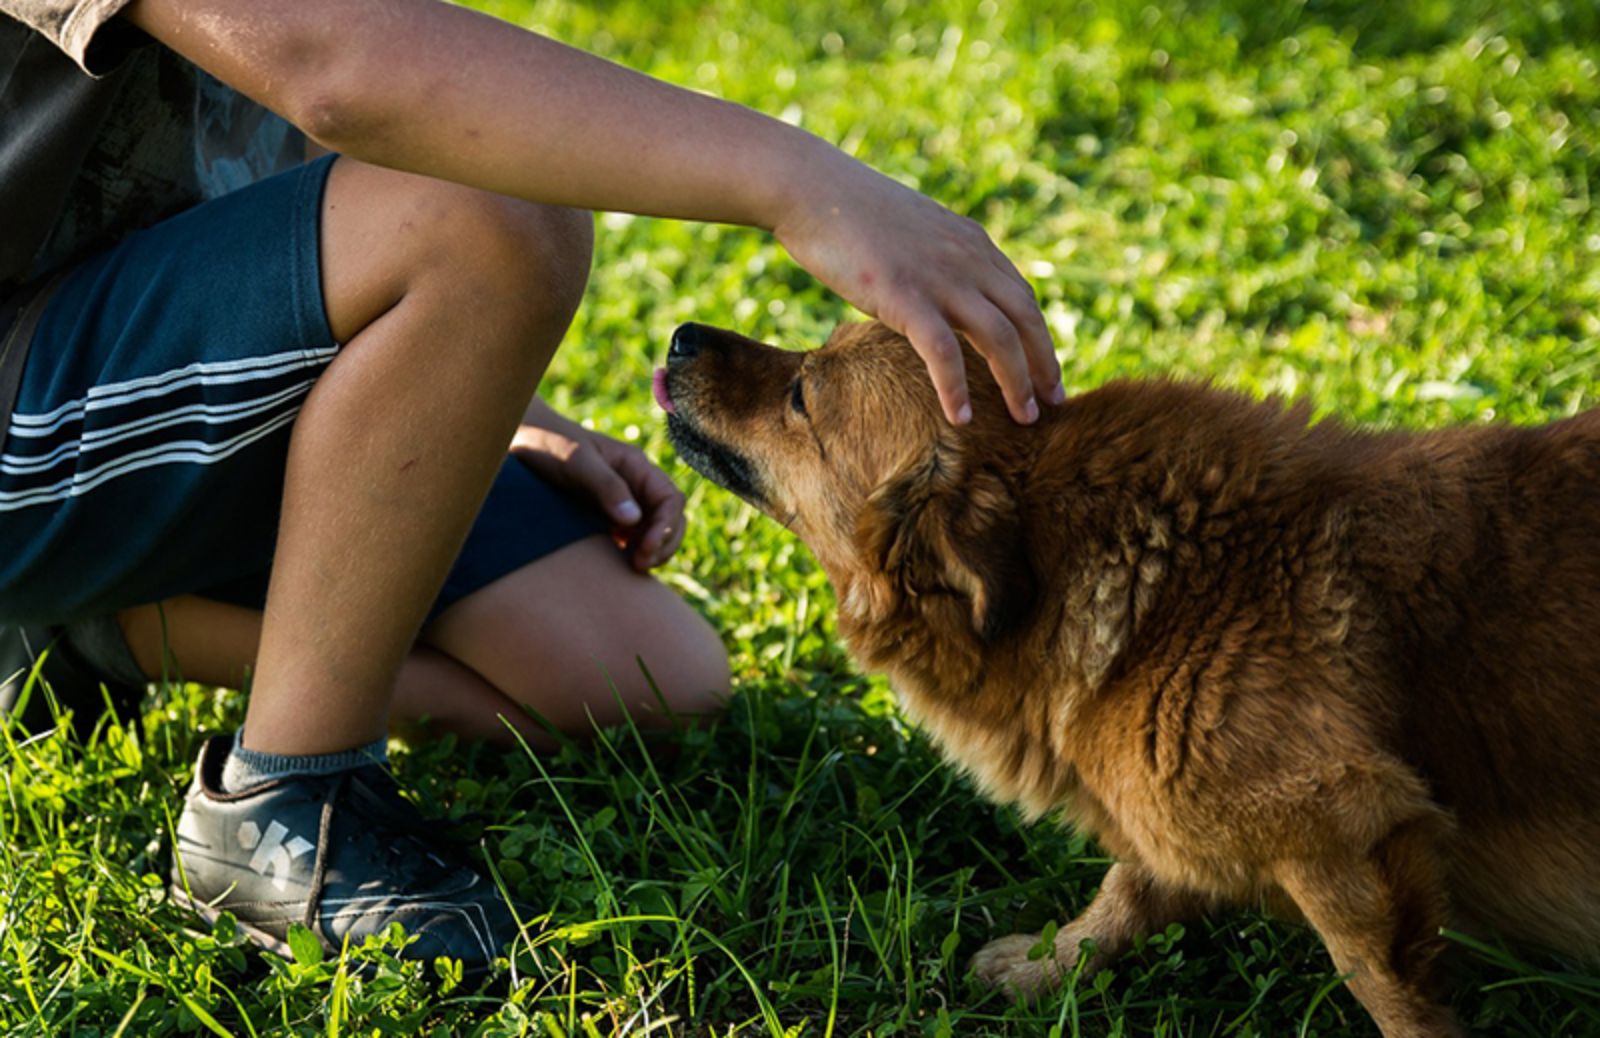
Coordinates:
column 423, row 86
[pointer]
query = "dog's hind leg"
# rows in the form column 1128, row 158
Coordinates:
column 1379, row 917
column 1131, row 904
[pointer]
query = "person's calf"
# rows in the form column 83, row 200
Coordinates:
column 452, row 302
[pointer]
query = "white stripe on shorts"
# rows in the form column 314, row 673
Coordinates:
column 100, row 439
column 195, row 452
column 115, row 394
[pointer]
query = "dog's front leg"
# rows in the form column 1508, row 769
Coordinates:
column 1379, row 917
column 1132, row 903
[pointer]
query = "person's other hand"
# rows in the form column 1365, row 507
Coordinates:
column 644, row 505
column 928, row 274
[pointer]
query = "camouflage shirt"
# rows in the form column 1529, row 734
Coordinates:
column 102, row 132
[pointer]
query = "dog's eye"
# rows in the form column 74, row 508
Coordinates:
column 797, row 398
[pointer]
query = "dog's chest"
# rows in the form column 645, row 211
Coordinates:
column 1012, row 749
column 1028, row 751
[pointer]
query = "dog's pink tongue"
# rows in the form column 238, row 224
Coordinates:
column 659, row 383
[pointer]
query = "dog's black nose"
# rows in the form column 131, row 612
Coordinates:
column 685, row 342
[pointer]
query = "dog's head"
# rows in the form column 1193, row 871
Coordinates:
column 847, row 446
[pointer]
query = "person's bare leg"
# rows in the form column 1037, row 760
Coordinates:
column 562, row 633
column 450, row 303
column 214, row 643
column 435, row 694
column 565, row 636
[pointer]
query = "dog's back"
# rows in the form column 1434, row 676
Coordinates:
column 1459, row 574
column 1488, row 552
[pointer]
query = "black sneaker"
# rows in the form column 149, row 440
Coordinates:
column 74, row 681
column 344, row 855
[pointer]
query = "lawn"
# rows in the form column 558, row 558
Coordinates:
column 1385, row 209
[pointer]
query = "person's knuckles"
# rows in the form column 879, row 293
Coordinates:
column 1002, row 348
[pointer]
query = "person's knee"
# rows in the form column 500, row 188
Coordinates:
column 388, row 235
column 522, row 253
column 582, row 639
column 676, row 670
column 499, row 251
column 691, row 674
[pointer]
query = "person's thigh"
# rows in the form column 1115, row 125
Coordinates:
column 145, row 454
column 214, row 643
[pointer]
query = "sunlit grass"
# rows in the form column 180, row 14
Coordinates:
column 1385, row 209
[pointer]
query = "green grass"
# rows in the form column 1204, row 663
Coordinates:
column 1383, row 208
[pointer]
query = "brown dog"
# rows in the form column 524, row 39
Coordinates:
column 1356, row 674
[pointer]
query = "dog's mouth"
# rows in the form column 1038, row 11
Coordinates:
column 721, row 464
column 714, row 460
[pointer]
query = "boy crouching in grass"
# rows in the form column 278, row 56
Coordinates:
column 256, row 405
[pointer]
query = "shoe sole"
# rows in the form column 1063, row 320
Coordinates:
column 476, row 979
column 261, row 938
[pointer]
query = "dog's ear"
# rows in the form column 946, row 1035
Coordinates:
column 938, row 527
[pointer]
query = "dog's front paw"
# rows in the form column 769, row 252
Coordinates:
column 1006, row 964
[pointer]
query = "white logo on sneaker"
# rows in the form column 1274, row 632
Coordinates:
column 272, row 856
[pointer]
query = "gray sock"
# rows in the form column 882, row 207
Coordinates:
column 246, row 768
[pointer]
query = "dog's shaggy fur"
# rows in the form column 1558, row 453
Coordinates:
column 1354, row 674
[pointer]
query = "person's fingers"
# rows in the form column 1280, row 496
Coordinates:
column 585, row 467
column 673, row 542
column 659, row 536
column 994, row 336
column 657, row 546
column 935, row 342
column 651, row 487
column 666, row 530
column 1014, row 297
column 927, row 273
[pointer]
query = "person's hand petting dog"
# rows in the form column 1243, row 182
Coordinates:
column 644, row 505
column 927, row 274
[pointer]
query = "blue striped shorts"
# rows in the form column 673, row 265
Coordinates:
column 146, row 452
